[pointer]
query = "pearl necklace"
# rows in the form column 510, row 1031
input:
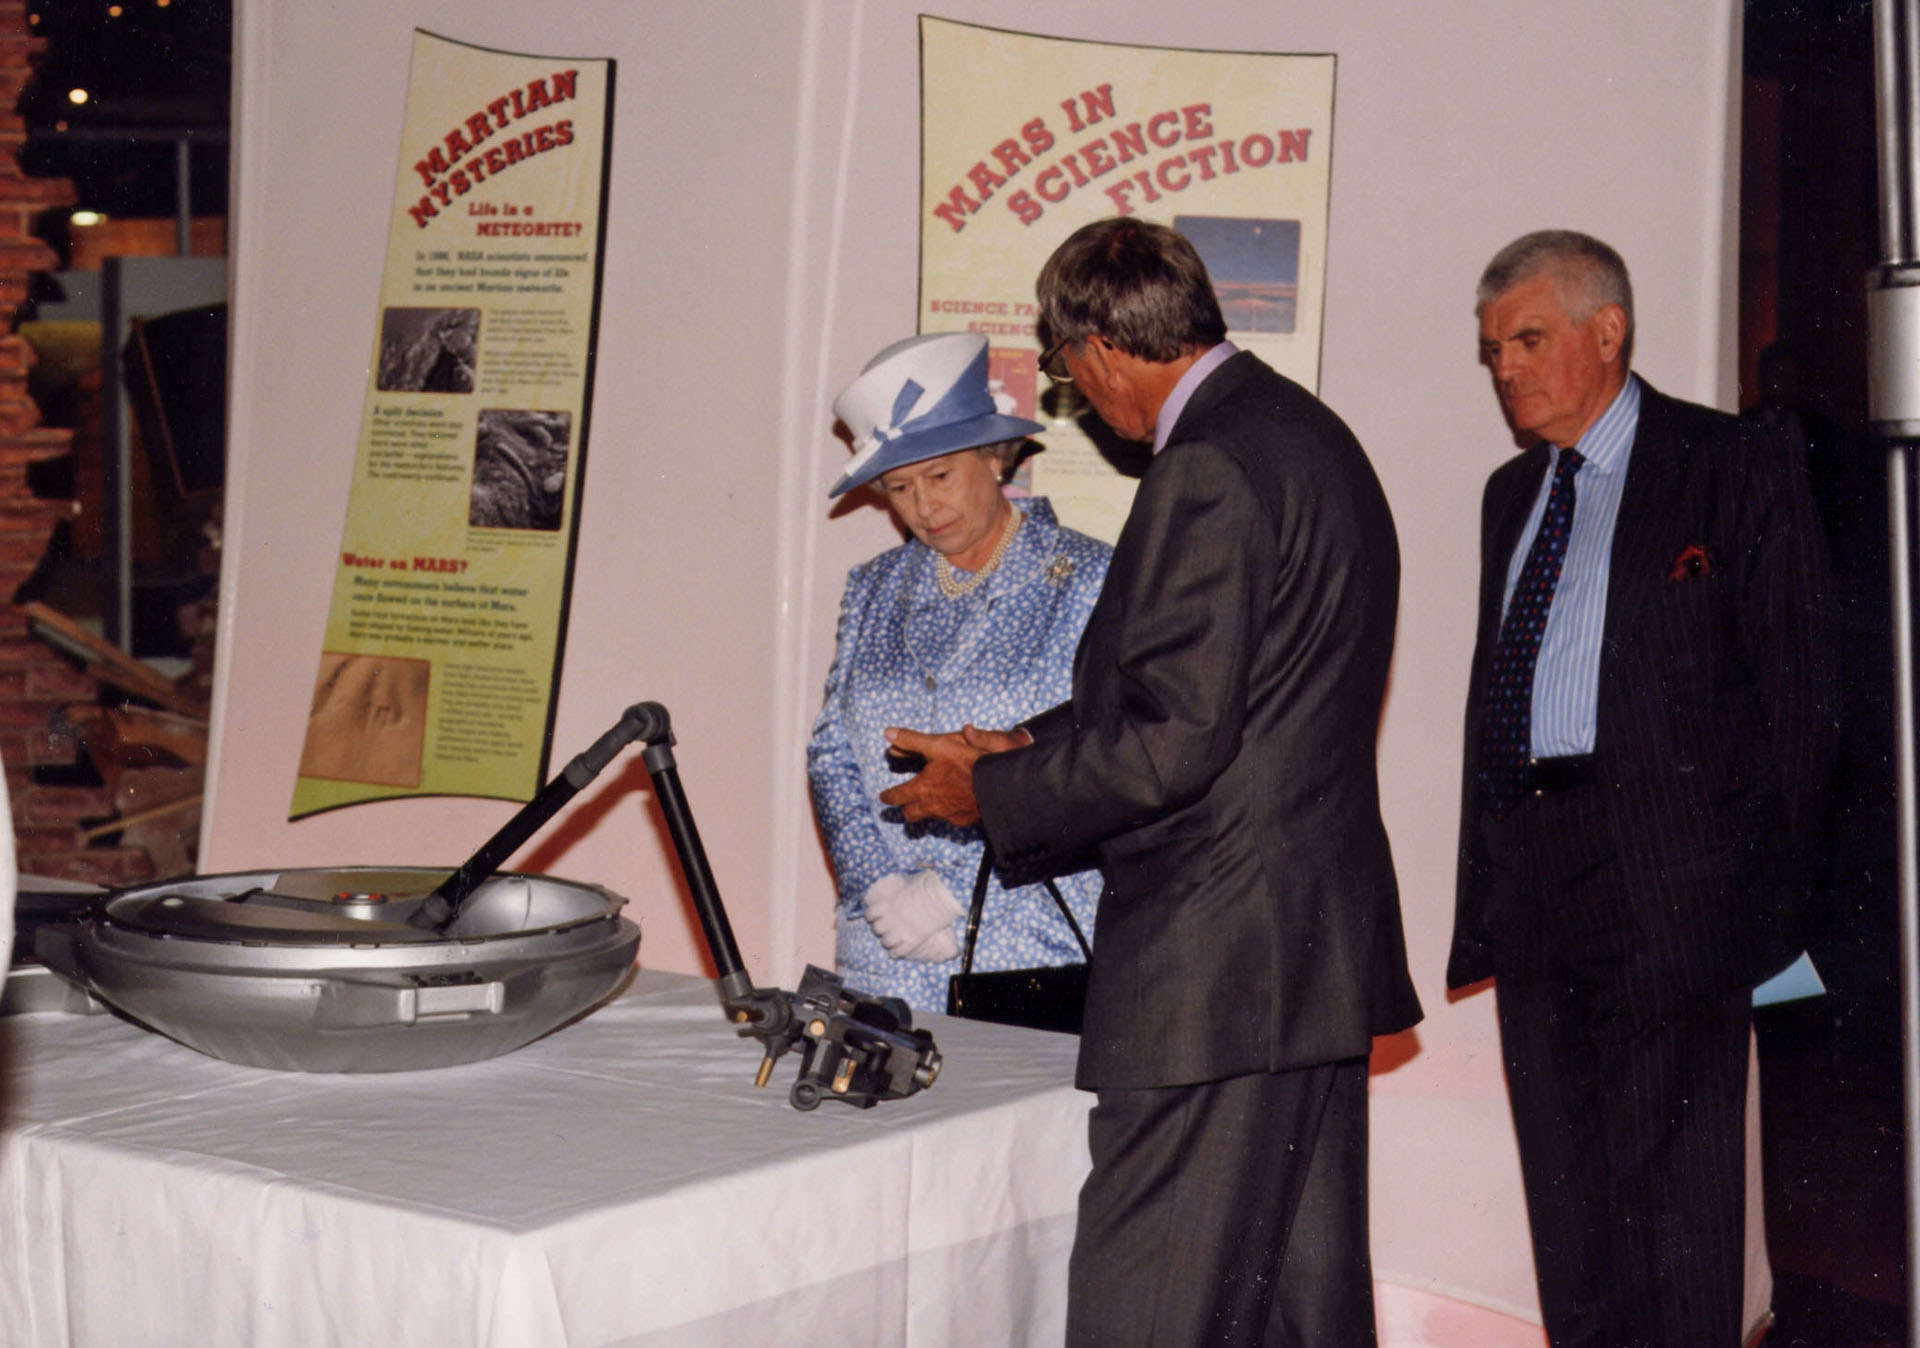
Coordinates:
column 943, row 569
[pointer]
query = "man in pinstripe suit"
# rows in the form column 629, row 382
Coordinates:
column 1641, row 780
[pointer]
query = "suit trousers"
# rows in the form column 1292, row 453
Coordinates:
column 1232, row 1212
column 1628, row 1098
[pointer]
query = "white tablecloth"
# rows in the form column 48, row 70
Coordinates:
column 620, row 1182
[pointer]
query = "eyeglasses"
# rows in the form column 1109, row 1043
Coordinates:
column 1053, row 362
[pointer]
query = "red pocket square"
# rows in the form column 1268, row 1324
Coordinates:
column 1694, row 561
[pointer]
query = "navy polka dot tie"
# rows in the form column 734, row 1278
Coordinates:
column 1506, row 723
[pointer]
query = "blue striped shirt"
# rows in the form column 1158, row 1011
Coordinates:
column 1566, row 679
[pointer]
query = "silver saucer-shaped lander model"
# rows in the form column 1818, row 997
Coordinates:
column 365, row 970
column 320, row 971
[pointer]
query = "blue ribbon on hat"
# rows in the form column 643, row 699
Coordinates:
column 902, row 404
column 962, row 402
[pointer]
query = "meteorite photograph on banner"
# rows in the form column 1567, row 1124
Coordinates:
column 441, row 658
column 1026, row 138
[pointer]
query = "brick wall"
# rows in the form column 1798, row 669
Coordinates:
column 36, row 682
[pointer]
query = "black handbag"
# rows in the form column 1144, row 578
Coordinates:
column 1049, row 997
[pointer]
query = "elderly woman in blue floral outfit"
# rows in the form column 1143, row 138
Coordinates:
column 973, row 621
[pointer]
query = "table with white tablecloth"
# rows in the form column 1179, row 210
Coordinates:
column 619, row 1182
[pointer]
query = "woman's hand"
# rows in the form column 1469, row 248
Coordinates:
column 913, row 916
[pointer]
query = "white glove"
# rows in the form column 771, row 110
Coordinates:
column 913, row 916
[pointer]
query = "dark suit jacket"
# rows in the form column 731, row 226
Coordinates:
column 1219, row 751
column 1713, row 733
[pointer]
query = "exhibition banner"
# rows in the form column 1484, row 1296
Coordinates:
column 1026, row 138
column 443, row 640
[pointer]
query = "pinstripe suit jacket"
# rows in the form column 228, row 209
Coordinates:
column 1713, row 733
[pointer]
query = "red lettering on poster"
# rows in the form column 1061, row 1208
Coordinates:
column 441, row 168
column 1205, row 156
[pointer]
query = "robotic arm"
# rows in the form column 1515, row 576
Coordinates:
column 853, row 1048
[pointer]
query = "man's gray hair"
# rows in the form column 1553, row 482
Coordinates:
column 1590, row 275
column 1140, row 285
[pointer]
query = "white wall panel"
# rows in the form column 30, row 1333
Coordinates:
column 762, row 241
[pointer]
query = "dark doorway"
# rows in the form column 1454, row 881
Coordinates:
column 1830, row 1066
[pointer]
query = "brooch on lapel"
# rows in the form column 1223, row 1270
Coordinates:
column 1693, row 561
column 1060, row 570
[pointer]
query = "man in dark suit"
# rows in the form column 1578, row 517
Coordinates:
column 1219, row 752
column 1645, row 737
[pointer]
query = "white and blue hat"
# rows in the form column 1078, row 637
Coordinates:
column 922, row 398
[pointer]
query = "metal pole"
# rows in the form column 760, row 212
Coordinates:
column 183, row 195
column 1900, row 516
column 1893, row 383
column 116, row 466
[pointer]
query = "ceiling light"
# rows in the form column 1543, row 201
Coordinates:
column 76, row 95
column 85, row 218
